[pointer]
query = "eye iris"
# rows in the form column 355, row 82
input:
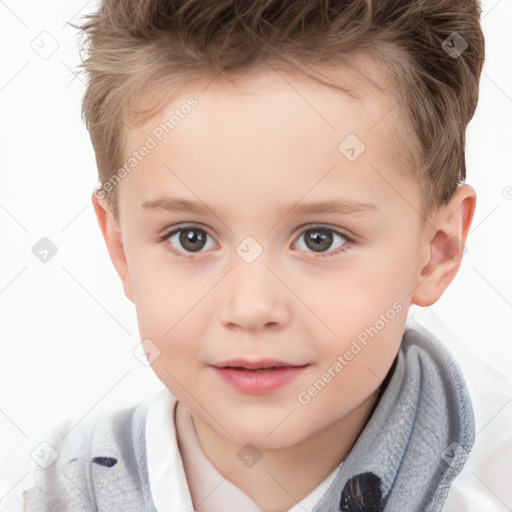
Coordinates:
column 189, row 238
column 318, row 240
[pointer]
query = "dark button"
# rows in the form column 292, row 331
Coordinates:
column 108, row 462
column 362, row 493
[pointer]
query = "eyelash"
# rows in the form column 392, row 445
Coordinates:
column 187, row 257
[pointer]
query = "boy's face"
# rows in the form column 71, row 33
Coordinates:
column 263, row 278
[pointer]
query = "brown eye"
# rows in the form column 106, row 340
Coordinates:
column 318, row 240
column 321, row 239
column 187, row 240
column 192, row 239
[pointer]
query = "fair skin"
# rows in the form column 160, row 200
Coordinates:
column 249, row 154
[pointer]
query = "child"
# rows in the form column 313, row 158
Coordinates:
column 314, row 152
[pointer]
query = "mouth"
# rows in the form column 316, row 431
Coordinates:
column 257, row 377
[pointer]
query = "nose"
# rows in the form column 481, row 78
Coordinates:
column 253, row 298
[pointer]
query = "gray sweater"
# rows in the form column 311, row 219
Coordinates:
column 405, row 459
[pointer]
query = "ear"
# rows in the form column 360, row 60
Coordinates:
column 445, row 247
column 113, row 239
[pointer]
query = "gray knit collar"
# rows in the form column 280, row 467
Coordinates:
column 417, row 439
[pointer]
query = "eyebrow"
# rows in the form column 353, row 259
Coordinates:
column 343, row 207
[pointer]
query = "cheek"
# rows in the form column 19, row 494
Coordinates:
column 366, row 318
column 177, row 364
column 167, row 308
column 163, row 293
column 354, row 367
column 355, row 298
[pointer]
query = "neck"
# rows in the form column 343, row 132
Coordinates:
column 285, row 476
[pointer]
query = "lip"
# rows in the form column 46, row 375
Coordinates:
column 254, row 365
column 261, row 378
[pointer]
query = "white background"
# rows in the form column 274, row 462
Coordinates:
column 67, row 329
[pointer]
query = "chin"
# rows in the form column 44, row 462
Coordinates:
column 266, row 436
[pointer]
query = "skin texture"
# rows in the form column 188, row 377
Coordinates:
column 250, row 152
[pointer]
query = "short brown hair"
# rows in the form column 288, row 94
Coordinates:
column 433, row 49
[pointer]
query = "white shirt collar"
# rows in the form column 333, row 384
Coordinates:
column 166, row 473
column 165, row 424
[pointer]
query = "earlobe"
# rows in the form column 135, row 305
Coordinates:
column 113, row 239
column 446, row 247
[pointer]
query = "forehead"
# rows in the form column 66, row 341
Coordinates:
column 332, row 91
column 272, row 127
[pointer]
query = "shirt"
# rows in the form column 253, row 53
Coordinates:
column 170, row 422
